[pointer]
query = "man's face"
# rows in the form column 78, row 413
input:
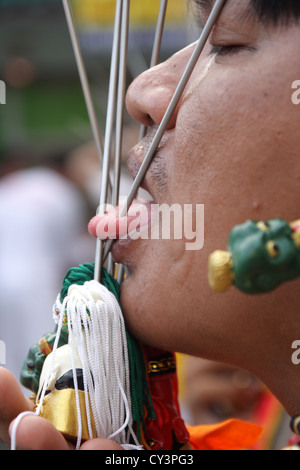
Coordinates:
column 232, row 145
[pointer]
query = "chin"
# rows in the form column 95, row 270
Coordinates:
column 138, row 313
column 145, row 317
column 153, row 295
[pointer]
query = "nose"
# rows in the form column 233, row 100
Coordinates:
column 151, row 92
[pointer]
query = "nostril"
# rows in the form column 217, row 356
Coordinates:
column 149, row 120
column 149, row 96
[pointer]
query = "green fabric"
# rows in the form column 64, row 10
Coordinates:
column 85, row 273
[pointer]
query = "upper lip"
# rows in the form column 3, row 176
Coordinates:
column 134, row 161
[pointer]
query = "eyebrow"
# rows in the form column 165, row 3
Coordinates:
column 205, row 5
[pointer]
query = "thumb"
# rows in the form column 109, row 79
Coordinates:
column 100, row 444
column 12, row 402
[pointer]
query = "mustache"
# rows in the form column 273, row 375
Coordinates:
column 157, row 169
column 156, row 173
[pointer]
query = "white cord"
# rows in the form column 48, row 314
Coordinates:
column 55, row 346
column 97, row 335
column 75, row 381
column 13, row 438
column 102, row 349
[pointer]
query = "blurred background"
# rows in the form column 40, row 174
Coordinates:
column 49, row 170
column 44, row 98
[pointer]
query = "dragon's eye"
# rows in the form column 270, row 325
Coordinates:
column 30, row 365
column 264, row 226
column 272, row 249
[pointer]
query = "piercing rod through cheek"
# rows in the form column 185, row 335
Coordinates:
column 169, row 112
column 120, row 110
column 156, row 47
column 111, row 113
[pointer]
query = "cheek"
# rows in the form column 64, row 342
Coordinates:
column 227, row 134
column 155, row 295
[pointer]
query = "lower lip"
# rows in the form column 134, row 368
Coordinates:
column 138, row 221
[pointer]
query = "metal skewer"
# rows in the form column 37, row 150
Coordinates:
column 156, row 46
column 154, row 61
column 169, row 112
column 121, row 101
column 109, row 130
column 84, row 81
column 120, row 111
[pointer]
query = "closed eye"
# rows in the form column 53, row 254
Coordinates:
column 228, row 50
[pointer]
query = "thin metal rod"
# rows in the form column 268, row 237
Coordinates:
column 84, row 80
column 170, row 110
column 121, row 101
column 156, row 47
column 120, row 108
column 110, row 117
column 143, row 129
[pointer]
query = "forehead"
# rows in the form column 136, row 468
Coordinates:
column 236, row 16
column 232, row 7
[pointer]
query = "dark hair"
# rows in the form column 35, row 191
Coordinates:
column 272, row 12
column 277, row 12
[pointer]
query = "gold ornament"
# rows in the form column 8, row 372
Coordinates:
column 220, row 271
column 66, row 421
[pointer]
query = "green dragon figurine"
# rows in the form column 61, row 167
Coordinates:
column 260, row 256
column 33, row 365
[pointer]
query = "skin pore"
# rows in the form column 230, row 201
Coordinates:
column 233, row 146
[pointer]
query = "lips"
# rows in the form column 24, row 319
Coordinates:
column 136, row 223
column 137, row 155
column 129, row 227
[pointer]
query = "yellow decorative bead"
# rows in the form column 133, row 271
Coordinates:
column 220, row 271
column 45, row 347
column 263, row 226
column 272, row 249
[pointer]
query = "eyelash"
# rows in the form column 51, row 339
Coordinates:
column 216, row 50
column 220, row 51
column 225, row 50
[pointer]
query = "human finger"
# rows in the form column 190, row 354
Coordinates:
column 36, row 433
column 12, row 402
column 100, row 444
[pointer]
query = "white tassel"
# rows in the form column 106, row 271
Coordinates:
column 97, row 336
